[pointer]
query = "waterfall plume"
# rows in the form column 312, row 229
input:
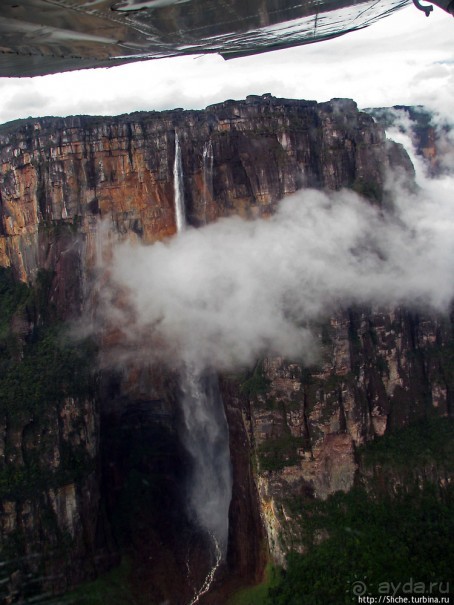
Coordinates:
column 180, row 213
column 205, row 438
column 207, row 167
column 204, row 430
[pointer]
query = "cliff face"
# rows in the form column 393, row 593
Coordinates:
column 294, row 431
column 51, row 534
column 380, row 371
column 238, row 158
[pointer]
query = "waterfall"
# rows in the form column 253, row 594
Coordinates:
column 210, row 576
column 180, row 214
column 207, row 167
column 204, row 431
column 205, row 437
column 64, row 210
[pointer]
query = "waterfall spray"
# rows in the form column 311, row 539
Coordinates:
column 205, row 437
column 207, row 163
column 180, row 214
column 204, row 431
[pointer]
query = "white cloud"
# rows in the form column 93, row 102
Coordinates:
column 223, row 295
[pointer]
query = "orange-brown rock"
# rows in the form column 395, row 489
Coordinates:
column 78, row 170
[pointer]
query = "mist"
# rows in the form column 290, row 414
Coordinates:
column 222, row 295
column 206, row 438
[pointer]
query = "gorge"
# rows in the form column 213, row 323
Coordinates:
column 150, row 268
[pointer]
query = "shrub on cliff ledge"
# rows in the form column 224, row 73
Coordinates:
column 275, row 454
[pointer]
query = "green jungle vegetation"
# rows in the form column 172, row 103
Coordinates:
column 40, row 366
column 373, row 541
column 45, row 365
column 257, row 595
column 376, row 534
column 275, row 454
column 111, row 588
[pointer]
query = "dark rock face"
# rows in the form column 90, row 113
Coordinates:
column 52, row 536
column 296, row 433
column 379, row 371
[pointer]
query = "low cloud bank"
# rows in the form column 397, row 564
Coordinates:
column 222, row 295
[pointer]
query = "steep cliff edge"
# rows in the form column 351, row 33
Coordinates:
column 51, row 534
column 294, row 430
column 380, row 371
column 238, row 158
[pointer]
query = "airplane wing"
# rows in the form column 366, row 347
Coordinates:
column 46, row 36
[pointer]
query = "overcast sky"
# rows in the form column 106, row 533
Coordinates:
column 403, row 59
